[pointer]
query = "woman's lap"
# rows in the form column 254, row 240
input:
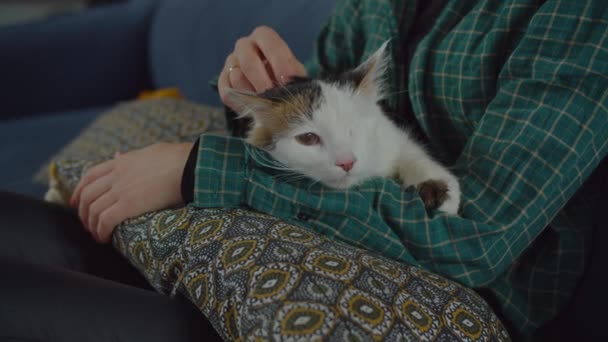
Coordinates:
column 40, row 233
column 43, row 303
column 58, row 284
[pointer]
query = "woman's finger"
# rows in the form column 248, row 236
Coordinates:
column 224, row 82
column 98, row 206
column 238, row 81
column 90, row 176
column 276, row 51
column 251, row 65
column 111, row 217
column 90, row 193
column 108, row 220
column 236, row 78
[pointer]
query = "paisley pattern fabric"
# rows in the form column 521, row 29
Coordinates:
column 139, row 123
column 258, row 278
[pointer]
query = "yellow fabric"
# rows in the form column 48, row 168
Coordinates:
column 160, row 93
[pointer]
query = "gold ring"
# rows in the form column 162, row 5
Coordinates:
column 230, row 69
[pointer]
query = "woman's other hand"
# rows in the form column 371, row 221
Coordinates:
column 129, row 185
column 259, row 61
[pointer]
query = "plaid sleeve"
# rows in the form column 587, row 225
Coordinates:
column 220, row 173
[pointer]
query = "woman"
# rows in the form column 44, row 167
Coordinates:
column 513, row 95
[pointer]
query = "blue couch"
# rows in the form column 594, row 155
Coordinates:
column 59, row 74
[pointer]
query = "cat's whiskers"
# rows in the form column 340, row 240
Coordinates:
column 395, row 93
column 289, row 177
column 289, row 92
column 246, row 111
column 268, row 163
column 294, row 176
column 292, row 101
column 288, row 173
column 314, row 182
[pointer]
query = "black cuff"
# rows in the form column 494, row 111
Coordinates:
column 188, row 175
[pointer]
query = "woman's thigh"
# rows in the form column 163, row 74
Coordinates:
column 44, row 303
column 41, row 233
column 59, row 285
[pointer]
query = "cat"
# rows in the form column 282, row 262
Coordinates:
column 334, row 131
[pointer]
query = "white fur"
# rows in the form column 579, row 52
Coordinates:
column 352, row 125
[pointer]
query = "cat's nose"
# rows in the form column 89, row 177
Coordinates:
column 346, row 165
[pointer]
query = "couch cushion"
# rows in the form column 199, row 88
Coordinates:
column 255, row 277
column 135, row 124
column 191, row 39
column 26, row 144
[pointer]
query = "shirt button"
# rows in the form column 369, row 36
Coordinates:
column 303, row 217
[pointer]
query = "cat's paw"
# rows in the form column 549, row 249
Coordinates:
column 433, row 193
column 440, row 194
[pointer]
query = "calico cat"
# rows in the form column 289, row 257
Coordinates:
column 334, row 131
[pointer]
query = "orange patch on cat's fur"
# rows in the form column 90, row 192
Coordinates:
column 260, row 137
column 277, row 118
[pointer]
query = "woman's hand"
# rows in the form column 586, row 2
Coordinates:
column 129, row 185
column 259, row 61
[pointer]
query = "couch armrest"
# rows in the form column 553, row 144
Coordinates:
column 92, row 58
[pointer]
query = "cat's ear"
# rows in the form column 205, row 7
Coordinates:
column 249, row 104
column 370, row 74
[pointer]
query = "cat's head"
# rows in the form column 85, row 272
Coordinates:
column 321, row 128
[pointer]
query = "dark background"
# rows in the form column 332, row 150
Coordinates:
column 21, row 11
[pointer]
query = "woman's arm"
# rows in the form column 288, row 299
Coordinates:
column 129, row 185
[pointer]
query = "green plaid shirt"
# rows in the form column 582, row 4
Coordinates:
column 513, row 95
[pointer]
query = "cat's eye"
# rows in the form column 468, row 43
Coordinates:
column 308, row 139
